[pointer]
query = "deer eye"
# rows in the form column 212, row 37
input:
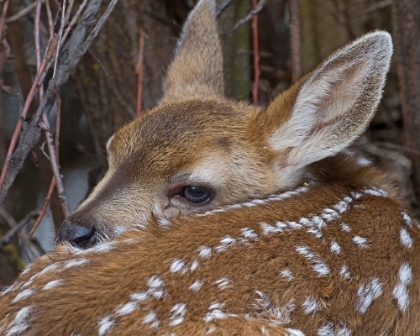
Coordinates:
column 196, row 194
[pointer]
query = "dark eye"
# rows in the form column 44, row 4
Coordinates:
column 196, row 194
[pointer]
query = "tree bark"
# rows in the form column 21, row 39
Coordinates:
column 406, row 18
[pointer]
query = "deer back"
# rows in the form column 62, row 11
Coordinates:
column 336, row 257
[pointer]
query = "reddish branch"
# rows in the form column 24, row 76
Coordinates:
column 256, row 51
column 139, row 72
column 294, row 24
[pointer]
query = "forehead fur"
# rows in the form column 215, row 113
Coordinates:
column 179, row 132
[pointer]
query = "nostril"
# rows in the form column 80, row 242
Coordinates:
column 82, row 235
column 77, row 234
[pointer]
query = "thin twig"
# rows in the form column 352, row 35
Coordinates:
column 3, row 17
column 256, row 56
column 15, row 227
column 36, row 36
column 25, row 11
column 248, row 17
column 44, row 208
column 57, row 128
column 75, row 48
column 74, row 20
column 139, row 72
column 60, row 36
column 50, row 19
column 294, row 24
column 55, row 167
column 223, row 6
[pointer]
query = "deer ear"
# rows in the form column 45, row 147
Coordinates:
column 333, row 105
column 197, row 69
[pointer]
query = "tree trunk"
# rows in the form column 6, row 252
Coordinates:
column 406, row 18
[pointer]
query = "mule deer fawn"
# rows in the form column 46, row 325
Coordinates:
column 244, row 221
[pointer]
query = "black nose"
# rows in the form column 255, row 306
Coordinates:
column 77, row 234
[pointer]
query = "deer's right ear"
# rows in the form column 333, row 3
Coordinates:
column 197, row 69
column 328, row 109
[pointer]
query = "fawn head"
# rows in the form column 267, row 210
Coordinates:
column 198, row 149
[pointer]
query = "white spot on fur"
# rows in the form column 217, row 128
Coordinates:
column 177, row 266
column 266, row 309
column 178, row 314
column 345, row 227
column 405, row 237
column 318, row 222
column 356, row 195
column 140, row 296
column 293, row 332
column 407, row 219
column 326, row 330
column 75, row 262
column 335, row 247
column 367, row 293
column 204, row 252
column 23, row 295
column 363, row 162
column 361, row 241
column 49, row 269
column 215, row 313
column 288, row 274
column 222, row 283
column 334, row 330
column 317, row 264
column 105, row 324
column 225, row 243
column 311, row 306
column 194, row 265
column 268, row 229
column 330, row 215
column 126, row 309
column 151, row 318
column 196, row 286
column 164, row 222
column 26, row 270
column 154, row 282
column 342, row 206
column 53, row 284
column 400, row 291
column 249, row 234
column 20, row 323
column 345, row 273
column 99, row 248
column 375, row 192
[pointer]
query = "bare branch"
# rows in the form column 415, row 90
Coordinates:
column 247, row 18
column 25, row 11
column 70, row 56
column 15, row 227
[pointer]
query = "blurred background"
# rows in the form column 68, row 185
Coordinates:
column 122, row 74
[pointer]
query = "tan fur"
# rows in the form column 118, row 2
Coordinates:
column 335, row 254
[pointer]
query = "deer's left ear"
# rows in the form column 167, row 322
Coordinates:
column 333, row 105
column 197, row 69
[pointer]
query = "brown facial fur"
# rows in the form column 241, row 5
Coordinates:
column 178, row 144
column 197, row 137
